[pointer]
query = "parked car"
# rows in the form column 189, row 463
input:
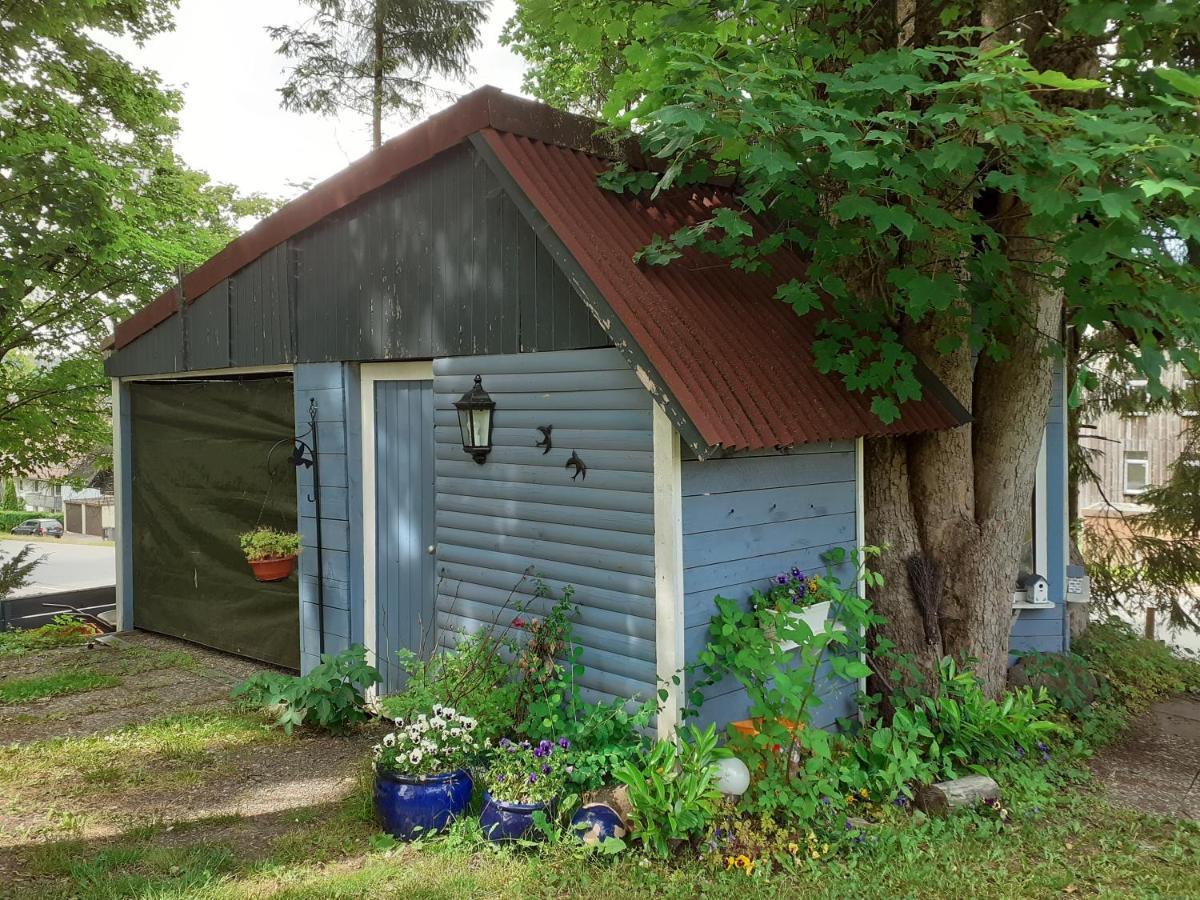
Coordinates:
column 41, row 527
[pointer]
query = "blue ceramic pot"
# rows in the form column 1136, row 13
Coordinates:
column 408, row 807
column 597, row 822
column 508, row 821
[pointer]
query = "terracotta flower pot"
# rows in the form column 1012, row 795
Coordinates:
column 277, row 569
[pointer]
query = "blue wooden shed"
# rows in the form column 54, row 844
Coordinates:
column 713, row 452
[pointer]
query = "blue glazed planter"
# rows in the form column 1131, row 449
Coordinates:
column 597, row 822
column 508, row 821
column 408, row 807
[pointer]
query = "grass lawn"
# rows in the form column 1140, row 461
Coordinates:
column 22, row 690
column 204, row 801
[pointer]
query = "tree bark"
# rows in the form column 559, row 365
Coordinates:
column 377, row 73
column 960, row 499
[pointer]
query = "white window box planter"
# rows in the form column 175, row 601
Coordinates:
column 814, row 616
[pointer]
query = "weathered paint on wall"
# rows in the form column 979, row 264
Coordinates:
column 520, row 515
column 439, row 262
column 334, row 387
column 1046, row 629
column 749, row 517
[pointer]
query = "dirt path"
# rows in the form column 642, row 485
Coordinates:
column 1156, row 767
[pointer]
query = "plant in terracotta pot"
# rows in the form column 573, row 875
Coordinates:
column 421, row 777
column 271, row 554
column 524, row 778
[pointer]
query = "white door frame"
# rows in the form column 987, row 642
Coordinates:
column 369, row 373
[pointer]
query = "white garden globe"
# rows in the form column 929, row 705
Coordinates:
column 732, row 777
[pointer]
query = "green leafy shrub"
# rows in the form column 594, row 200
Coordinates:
column 473, row 678
column 520, row 677
column 954, row 724
column 1066, row 677
column 330, row 696
column 603, row 736
column 267, row 543
column 779, row 660
column 673, row 790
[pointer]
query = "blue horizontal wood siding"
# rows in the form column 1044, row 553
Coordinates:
column 1046, row 629
column 748, row 517
column 334, row 386
column 520, row 515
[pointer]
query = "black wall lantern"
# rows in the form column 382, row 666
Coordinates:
column 475, row 421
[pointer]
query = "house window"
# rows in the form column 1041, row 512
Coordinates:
column 1190, row 407
column 1137, row 390
column 1137, row 471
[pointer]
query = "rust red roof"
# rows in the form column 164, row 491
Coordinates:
column 736, row 361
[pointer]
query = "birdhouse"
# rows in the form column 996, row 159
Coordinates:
column 1036, row 588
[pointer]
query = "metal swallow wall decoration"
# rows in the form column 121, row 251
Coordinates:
column 579, row 466
column 545, row 443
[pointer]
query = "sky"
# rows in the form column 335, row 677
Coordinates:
column 220, row 57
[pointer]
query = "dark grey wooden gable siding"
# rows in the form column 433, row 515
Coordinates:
column 208, row 326
column 521, row 512
column 438, row 263
column 260, row 317
column 749, row 517
column 158, row 351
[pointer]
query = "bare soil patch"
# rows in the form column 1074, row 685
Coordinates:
column 1155, row 768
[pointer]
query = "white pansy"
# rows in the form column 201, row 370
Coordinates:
column 448, row 712
column 415, row 757
column 389, row 740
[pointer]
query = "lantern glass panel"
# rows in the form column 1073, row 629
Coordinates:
column 464, row 426
column 481, row 420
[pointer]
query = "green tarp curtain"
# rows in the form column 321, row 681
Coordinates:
column 201, row 476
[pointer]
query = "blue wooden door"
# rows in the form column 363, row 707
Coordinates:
column 405, row 600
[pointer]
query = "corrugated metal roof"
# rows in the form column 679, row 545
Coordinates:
column 736, row 360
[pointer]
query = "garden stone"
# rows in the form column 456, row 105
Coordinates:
column 961, row 792
column 615, row 797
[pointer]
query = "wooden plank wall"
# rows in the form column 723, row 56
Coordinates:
column 335, row 388
column 522, row 513
column 438, row 262
column 1046, row 629
column 749, row 517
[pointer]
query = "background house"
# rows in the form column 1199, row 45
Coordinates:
column 1133, row 450
column 695, row 449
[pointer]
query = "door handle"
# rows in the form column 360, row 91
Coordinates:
column 431, row 549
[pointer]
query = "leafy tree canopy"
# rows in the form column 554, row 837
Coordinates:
column 936, row 163
column 96, row 211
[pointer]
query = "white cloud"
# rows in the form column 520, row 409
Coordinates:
column 220, row 57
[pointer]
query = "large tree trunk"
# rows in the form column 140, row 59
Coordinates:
column 959, row 501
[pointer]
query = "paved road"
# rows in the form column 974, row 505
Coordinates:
column 30, row 612
column 66, row 567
